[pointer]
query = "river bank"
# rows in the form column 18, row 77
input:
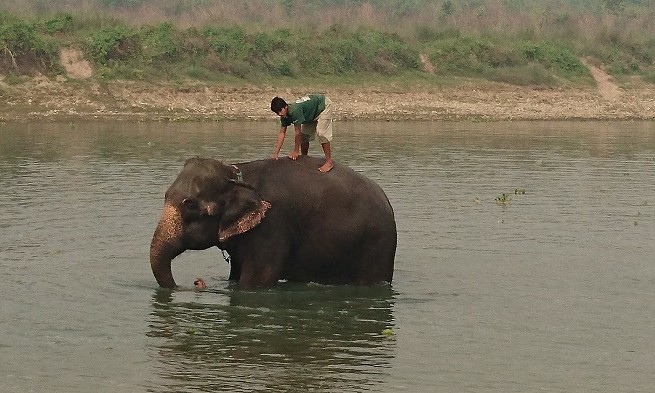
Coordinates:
column 70, row 100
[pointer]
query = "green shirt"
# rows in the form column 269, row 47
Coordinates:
column 304, row 110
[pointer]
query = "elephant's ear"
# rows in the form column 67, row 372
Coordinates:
column 244, row 211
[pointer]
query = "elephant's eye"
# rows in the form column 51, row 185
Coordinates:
column 190, row 204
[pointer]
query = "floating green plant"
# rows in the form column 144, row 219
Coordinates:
column 503, row 199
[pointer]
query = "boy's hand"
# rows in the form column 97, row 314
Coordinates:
column 294, row 155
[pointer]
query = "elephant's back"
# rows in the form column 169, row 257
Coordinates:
column 301, row 180
column 303, row 174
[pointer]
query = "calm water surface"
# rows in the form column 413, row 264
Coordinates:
column 553, row 291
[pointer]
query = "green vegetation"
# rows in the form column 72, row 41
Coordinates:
column 503, row 199
column 523, row 42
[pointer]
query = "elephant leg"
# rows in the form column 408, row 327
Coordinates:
column 235, row 270
column 376, row 263
column 262, row 262
column 254, row 276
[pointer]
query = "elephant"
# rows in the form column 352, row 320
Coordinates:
column 278, row 219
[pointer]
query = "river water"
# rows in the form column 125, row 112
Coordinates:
column 552, row 290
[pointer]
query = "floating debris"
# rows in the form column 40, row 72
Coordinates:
column 503, row 199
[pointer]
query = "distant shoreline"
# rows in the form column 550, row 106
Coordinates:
column 45, row 100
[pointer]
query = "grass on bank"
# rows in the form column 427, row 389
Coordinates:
column 232, row 52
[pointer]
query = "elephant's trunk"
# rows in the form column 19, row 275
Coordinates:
column 166, row 245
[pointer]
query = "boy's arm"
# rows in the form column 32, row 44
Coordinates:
column 279, row 142
column 296, row 142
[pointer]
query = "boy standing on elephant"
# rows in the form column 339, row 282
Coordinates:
column 310, row 115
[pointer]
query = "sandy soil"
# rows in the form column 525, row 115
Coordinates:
column 75, row 97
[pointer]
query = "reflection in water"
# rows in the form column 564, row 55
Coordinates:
column 290, row 338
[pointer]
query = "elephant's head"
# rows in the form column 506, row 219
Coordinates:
column 204, row 207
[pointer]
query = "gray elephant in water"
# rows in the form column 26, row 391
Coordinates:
column 278, row 220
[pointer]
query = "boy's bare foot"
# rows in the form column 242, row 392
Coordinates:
column 327, row 167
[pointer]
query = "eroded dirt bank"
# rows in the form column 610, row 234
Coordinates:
column 69, row 100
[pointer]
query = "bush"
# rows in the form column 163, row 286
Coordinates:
column 19, row 37
column 466, row 55
column 279, row 53
column 112, row 44
column 228, row 42
column 24, row 49
column 366, row 50
column 59, row 24
column 159, row 42
column 553, row 56
column 472, row 56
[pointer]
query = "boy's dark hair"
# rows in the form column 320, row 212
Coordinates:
column 277, row 104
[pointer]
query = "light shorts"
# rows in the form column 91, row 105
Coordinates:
column 321, row 126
